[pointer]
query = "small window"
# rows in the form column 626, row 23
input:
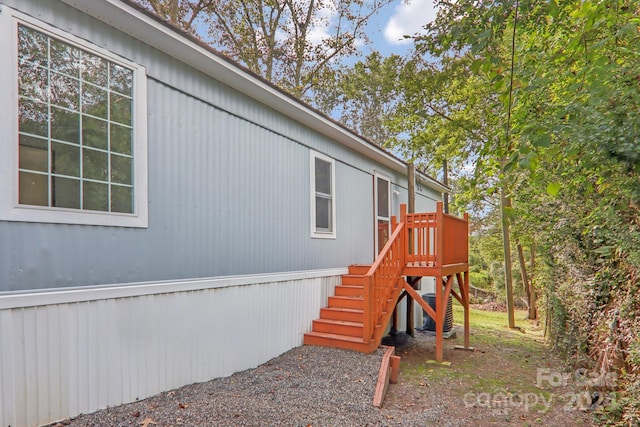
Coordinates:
column 323, row 211
column 80, row 134
column 383, row 207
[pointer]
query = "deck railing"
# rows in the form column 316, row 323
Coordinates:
column 382, row 280
column 455, row 241
column 419, row 240
column 436, row 239
column 421, row 235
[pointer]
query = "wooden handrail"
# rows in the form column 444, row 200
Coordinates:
column 382, row 279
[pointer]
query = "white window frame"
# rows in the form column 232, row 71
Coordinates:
column 315, row 233
column 376, row 215
column 10, row 209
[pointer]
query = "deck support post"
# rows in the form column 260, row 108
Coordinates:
column 465, row 297
column 410, row 324
column 394, row 321
column 439, row 320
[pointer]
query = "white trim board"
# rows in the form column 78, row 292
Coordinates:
column 10, row 300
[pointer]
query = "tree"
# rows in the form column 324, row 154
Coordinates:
column 572, row 165
column 364, row 96
column 182, row 13
column 288, row 42
column 457, row 112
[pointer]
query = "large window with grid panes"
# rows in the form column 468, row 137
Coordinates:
column 79, row 114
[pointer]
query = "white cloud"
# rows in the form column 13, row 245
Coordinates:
column 319, row 32
column 408, row 19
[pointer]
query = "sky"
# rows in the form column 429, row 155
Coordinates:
column 387, row 29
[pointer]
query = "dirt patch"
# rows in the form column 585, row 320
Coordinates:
column 510, row 379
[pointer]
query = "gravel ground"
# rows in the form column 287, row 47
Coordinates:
column 307, row 386
column 318, row 386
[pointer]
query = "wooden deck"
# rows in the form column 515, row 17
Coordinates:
column 431, row 244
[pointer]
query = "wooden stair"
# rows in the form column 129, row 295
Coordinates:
column 432, row 244
column 341, row 322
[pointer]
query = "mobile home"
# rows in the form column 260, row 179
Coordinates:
column 166, row 216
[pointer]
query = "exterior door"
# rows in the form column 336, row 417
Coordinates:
column 382, row 191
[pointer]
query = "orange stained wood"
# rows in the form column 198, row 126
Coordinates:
column 389, row 368
column 432, row 244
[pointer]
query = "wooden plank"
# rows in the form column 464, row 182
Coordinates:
column 384, row 377
column 395, row 369
column 426, row 307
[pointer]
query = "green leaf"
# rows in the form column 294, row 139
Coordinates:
column 543, row 140
column 484, row 35
column 553, row 189
column 604, row 250
column 511, row 163
column 630, row 28
column 509, row 212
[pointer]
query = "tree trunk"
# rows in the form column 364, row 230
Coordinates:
column 505, row 203
column 533, row 297
column 527, row 283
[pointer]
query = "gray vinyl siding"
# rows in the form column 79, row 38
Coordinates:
column 229, row 188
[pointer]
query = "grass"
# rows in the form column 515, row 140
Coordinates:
column 519, row 351
column 505, row 363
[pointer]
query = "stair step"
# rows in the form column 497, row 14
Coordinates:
column 353, row 279
column 344, row 314
column 339, row 341
column 346, row 302
column 338, row 327
column 360, row 269
column 349, row 291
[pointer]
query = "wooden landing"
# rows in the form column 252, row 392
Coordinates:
column 431, row 270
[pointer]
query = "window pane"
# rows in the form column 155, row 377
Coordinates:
column 65, row 58
column 323, row 214
column 121, row 199
column 94, row 133
column 94, row 69
column 65, row 159
column 65, row 192
column 32, row 46
column 383, row 233
column 75, row 118
column 33, row 82
column 120, row 109
column 65, row 125
column 34, row 118
column 95, row 196
column 383, row 198
column 120, row 169
column 94, row 101
column 120, row 79
column 33, row 189
column 121, row 139
column 33, row 154
column 65, row 91
column 94, row 164
column 323, row 176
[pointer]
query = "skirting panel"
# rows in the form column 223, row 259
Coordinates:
column 77, row 354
